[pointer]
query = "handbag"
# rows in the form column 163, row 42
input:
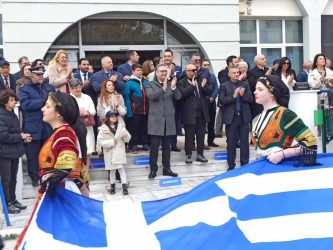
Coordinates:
column 89, row 120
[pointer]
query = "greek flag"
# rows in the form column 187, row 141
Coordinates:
column 260, row 206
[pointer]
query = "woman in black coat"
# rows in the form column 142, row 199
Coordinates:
column 11, row 148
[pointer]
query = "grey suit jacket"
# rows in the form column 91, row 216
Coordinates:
column 161, row 116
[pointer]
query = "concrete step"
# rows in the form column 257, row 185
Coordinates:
column 137, row 175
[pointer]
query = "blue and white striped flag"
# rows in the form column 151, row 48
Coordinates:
column 260, row 206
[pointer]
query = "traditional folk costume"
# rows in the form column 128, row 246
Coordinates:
column 276, row 128
column 63, row 152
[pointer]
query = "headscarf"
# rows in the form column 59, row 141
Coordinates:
column 278, row 88
column 68, row 108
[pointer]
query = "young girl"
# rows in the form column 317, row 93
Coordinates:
column 112, row 136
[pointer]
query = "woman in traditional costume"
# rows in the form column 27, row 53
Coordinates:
column 276, row 127
column 63, row 155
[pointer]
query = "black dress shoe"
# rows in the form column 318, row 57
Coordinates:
column 213, row 144
column 168, row 172
column 175, row 149
column 201, row 158
column 230, row 168
column 13, row 210
column 18, row 205
column 152, row 174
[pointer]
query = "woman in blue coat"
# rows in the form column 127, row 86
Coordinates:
column 11, row 148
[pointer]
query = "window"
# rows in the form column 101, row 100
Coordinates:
column 326, row 35
column 274, row 39
column 122, row 31
column 69, row 37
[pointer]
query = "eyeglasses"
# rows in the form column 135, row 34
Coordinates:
column 197, row 60
column 193, row 70
column 205, row 65
column 163, row 71
column 286, row 63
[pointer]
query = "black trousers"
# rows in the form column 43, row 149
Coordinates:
column 32, row 151
column 155, row 142
column 197, row 130
column 211, row 124
column 8, row 173
column 237, row 128
column 140, row 130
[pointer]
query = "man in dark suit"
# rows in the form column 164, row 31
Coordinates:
column 236, row 96
column 212, row 105
column 106, row 73
column 260, row 70
column 194, row 111
column 84, row 77
column 223, row 74
column 126, row 68
column 7, row 80
column 302, row 75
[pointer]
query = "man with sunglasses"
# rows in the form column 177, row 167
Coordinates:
column 194, row 90
column 32, row 98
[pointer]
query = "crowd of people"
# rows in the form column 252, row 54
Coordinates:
column 68, row 115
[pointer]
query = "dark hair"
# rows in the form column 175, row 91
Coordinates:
column 156, row 60
column 22, row 58
column 281, row 62
column 34, row 63
column 314, row 64
column 230, row 58
column 130, row 53
column 5, row 95
column 206, row 60
column 136, row 66
column 168, row 50
column 83, row 59
column 108, row 123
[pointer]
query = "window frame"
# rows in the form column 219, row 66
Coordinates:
column 283, row 46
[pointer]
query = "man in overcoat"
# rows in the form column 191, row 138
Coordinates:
column 161, row 118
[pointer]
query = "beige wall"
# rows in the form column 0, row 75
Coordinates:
column 214, row 23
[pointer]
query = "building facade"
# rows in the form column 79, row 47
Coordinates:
column 295, row 28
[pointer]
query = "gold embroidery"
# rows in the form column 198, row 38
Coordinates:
column 66, row 160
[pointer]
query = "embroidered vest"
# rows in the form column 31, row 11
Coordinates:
column 273, row 133
column 47, row 159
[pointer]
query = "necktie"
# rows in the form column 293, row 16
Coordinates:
column 6, row 83
column 84, row 76
column 109, row 74
column 197, row 86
